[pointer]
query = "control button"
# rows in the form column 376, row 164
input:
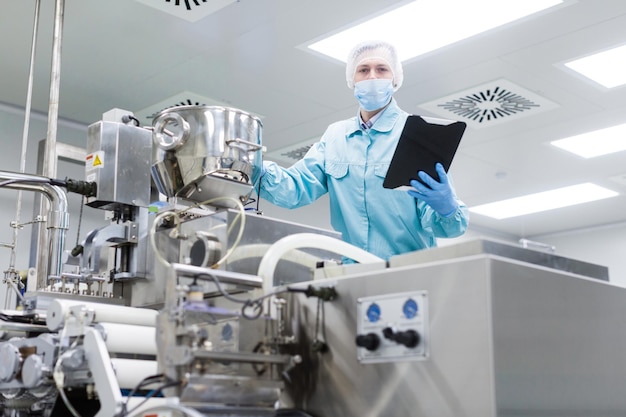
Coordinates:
column 370, row 341
column 410, row 308
column 373, row 313
column 227, row 332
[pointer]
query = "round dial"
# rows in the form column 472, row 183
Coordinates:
column 373, row 313
column 227, row 332
column 410, row 308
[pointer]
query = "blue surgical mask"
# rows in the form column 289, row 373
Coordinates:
column 373, row 94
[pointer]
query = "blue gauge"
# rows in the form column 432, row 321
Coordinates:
column 227, row 332
column 373, row 313
column 410, row 308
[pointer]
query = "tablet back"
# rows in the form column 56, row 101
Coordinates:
column 424, row 142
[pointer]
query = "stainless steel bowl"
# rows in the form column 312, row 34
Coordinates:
column 207, row 153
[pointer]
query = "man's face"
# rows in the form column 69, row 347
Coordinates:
column 372, row 69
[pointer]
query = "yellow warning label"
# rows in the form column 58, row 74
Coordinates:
column 94, row 160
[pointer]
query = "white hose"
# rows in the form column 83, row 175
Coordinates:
column 257, row 250
column 308, row 240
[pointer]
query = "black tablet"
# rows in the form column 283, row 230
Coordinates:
column 424, row 142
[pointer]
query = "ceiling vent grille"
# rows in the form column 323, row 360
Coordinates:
column 184, row 98
column 289, row 155
column 190, row 10
column 489, row 104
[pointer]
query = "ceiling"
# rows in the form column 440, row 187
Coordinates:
column 250, row 55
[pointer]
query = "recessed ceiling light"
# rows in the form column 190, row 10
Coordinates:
column 596, row 143
column 422, row 26
column 607, row 68
column 547, row 200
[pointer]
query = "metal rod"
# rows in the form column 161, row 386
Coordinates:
column 49, row 167
column 225, row 277
column 539, row 245
column 27, row 110
column 50, row 159
column 13, row 285
column 240, row 357
column 29, row 94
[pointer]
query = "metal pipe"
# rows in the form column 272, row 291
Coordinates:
column 50, row 252
column 29, row 93
column 50, row 159
column 54, row 242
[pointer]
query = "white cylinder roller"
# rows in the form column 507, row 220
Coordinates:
column 128, row 338
column 59, row 309
column 130, row 372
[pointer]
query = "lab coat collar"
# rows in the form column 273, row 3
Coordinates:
column 384, row 123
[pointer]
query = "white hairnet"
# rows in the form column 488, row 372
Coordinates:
column 370, row 50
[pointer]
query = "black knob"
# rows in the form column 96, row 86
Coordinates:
column 388, row 333
column 369, row 341
column 408, row 338
column 78, row 249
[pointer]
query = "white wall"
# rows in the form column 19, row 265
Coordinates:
column 315, row 214
column 601, row 245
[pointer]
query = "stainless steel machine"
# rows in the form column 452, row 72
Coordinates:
column 473, row 329
column 178, row 266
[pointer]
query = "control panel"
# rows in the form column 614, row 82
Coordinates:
column 392, row 327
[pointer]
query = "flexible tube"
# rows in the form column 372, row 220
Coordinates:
column 257, row 250
column 270, row 260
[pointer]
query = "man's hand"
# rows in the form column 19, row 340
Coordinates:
column 438, row 195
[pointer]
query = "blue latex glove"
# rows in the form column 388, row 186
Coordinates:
column 439, row 196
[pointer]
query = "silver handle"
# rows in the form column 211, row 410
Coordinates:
column 236, row 143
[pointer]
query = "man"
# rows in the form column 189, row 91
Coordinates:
column 350, row 162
